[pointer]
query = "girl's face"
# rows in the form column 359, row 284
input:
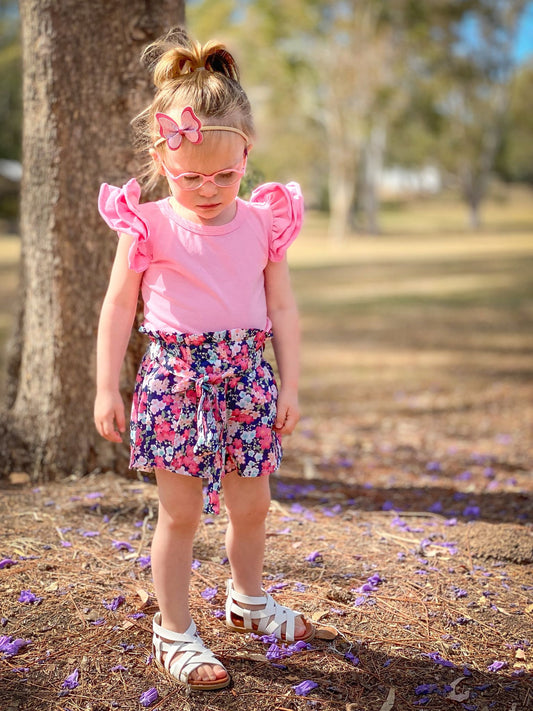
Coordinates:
column 208, row 204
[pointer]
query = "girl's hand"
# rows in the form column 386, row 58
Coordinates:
column 108, row 410
column 288, row 412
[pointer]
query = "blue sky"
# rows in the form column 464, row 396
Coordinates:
column 524, row 43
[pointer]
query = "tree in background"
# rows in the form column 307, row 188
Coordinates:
column 515, row 159
column 475, row 96
column 82, row 84
column 341, row 84
column 10, row 84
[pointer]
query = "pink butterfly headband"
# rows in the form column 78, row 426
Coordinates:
column 191, row 127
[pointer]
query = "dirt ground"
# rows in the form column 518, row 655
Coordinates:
column 401, row 520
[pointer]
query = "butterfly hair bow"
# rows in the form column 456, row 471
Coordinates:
column 191, row 128
column 173, row 133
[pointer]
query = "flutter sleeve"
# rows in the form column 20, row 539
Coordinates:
column 120, row 208
column 287, row 206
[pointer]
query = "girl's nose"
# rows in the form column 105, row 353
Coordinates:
column 208, row 189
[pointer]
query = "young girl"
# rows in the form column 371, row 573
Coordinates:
column 214, row 280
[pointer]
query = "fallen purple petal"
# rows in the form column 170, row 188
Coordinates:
column 145, row 561
column 7, row 563
column 115, row 603
column 148, row 697
column 123, row 546
column 351, row 658
column 496, row 666
column 29, row 598
column 9, row 646
column 313, row 557
column 72, row 680
column 305, row 687
column 209, row 593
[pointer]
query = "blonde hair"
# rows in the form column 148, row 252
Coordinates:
column 204, row 77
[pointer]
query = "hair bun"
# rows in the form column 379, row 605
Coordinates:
column 176, row 55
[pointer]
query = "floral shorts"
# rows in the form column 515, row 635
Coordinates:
column 204, row 405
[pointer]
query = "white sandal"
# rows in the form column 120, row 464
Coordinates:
column 193, row 653
column 268, row 620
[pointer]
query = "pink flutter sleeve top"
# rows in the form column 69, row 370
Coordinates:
column 199, row 278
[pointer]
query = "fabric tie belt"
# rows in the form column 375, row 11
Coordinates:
column 200, row 368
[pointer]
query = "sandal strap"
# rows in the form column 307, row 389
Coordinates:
column 193, row 653
column 269, row 620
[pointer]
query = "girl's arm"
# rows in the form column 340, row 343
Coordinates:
column 114, row 329
column 283, row 312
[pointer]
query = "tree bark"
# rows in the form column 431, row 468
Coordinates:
column 82, row 84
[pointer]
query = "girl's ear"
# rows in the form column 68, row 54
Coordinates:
column 157, row 160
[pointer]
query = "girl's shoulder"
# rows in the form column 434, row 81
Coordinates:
column 283, row 206
column 121, row 210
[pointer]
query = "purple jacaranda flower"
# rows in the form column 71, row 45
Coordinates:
column 496, row 666
column 29, row 598
column 145, row 561
column 314, row 556
column 371, row 584
column 148, row 697
column 97, row 623
column 437, row 659
column 7, row 563
column 123, row 546
column 115, row 603
column 90, row 534
column 219, row 614
column 94, row 495
column 299, row 646
column 436, row 507
column 277, row 586
column 137, row 615
column 300, row 587
column 305, row 687
column 360, row 600
column 426, row 689
column 390, row 506
column 351, row 658
column 265, row 638
column 471, row 511
column 209, row 593
column 450, row 522
column 458, row 592
column 66, row 544
column 464, row 476
column 72, row 680
column 196, row 564
column 9, row 646
column 274, row 652
column 433, row 466
column 118, row 667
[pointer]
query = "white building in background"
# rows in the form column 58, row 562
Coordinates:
column 396, row 181
column 11, row 170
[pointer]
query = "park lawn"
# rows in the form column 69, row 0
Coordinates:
column 401, row 519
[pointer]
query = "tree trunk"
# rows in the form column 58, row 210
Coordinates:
column 373, row 166
column 82, row 84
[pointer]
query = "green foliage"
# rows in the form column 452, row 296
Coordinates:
column 10, row 82
column 515, row 160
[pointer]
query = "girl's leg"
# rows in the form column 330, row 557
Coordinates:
column 247, row 502
column 180, row 508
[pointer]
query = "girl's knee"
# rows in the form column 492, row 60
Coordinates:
column 248, row 501
column 180, row 500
